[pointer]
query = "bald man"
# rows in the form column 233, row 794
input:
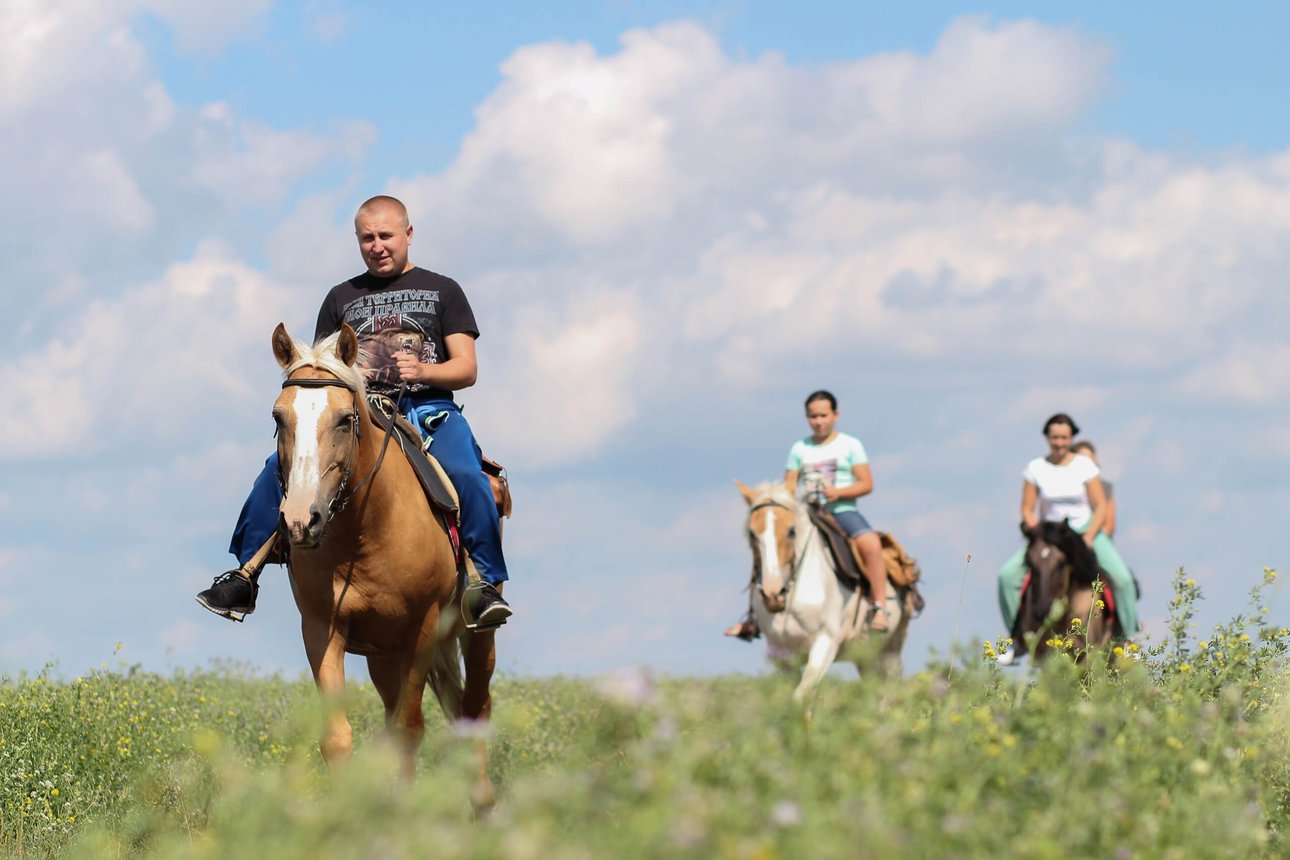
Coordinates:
column 414, row 327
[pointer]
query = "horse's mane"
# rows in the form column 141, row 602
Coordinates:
column 322, row 355
column 1082, row 559
column 775, row 491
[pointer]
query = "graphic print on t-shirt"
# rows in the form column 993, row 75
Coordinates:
column 387, row 324
column 823, row 471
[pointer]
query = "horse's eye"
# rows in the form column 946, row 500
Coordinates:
column 345, row 425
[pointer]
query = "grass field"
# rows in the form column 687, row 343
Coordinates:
column 1181, row 754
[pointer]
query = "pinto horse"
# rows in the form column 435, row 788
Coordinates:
column 1058, row 589
column 372, row 568
column 797, row 601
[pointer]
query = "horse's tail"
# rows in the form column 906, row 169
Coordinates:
column 445, row 677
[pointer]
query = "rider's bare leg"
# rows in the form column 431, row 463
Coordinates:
column 869, row 548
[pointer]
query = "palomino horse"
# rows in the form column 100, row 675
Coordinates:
column 372, row 567
column 798, row 602
column 1058, row 590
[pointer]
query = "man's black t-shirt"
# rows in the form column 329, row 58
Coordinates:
column 412, row 312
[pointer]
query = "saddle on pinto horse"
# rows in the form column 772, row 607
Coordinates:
column 902, row 569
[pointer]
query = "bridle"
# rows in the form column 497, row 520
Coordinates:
column 756, row 550
column 342, row 498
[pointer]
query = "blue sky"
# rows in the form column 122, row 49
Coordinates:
column 673, row 220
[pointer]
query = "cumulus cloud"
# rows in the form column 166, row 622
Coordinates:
column 580, row 360
column 1249, row 373
column 185, row 340
column 594, row 148
column 98, row 146
column 206, row 26
column 867, row 205
column 49, row 48
column 247, row 163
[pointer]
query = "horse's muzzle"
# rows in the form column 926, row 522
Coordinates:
column 302, row 534
column 774, row 602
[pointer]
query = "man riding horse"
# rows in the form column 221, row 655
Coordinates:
column 417, row 335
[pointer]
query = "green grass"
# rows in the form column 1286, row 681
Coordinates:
column 1181, row 754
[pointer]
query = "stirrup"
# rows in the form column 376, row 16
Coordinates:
column 473, row 624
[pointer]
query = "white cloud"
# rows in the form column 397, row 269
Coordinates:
column 568, row 373
column 111, row 197
column 247, row 163
column 867, row 206
column 1257, row 373
column 47, row 49
column 188, row 339
column 206, row 26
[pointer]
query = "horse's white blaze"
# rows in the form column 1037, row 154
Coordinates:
column 772, row 578
column 303, row 478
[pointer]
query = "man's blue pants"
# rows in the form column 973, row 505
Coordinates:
column 452, row 444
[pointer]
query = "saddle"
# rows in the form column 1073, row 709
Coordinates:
column 434, row 480
column 441, row 493
column 903, row 571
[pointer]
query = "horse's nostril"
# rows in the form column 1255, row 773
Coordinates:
column 315, row 516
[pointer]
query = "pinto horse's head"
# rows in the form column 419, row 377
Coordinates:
column 771, row 529
column 318, row 417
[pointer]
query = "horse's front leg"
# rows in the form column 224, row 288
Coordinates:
column 325, row 648
column 824, row 650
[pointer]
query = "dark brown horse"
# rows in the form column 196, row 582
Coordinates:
column 372, row 565
column 1059, row 589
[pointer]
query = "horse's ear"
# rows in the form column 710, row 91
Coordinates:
column 347, row 345
column 284, row 348
column 746, row 491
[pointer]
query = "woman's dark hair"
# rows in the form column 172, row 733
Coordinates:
column 1062, row 418
column 822, row 395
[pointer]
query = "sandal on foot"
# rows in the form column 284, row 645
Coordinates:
column 746, row 630
column 873, row 616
